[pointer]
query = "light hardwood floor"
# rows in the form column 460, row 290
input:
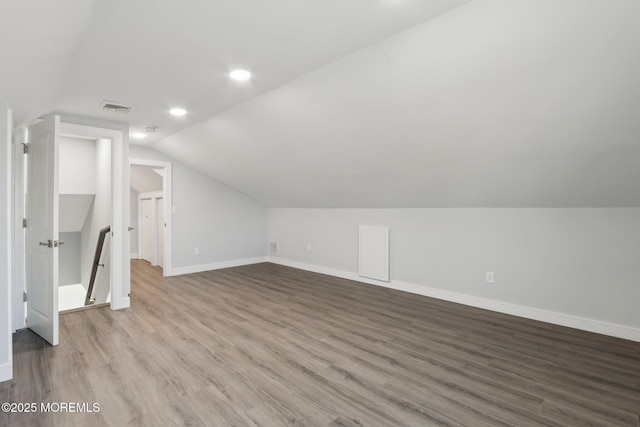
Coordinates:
column 269, row 345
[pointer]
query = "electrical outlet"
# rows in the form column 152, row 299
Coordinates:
column 273, row 248
column 490, row 277
column 308, row 247
column 196, row 251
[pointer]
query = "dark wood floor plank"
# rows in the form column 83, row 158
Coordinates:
column 269, row 345
column 395, row 404
column 570, row 416
column 572, row 399
column 472, row 409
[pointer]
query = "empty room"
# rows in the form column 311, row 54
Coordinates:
column 320, row 213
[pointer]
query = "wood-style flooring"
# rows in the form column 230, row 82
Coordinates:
column 269, row 345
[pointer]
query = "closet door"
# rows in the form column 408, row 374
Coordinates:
column 147, row 245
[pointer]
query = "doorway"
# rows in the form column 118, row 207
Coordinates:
column 39, row 200
column 152, row 212
column 85, row 208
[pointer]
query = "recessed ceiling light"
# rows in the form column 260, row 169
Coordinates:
column 240, row 75
column 178, row 112
column 139, row 135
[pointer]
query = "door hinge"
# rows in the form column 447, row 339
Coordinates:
column 25, row 148
column 24, row 296
column 25, row 223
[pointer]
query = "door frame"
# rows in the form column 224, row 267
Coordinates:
column 19, row 231
column 120, row 237
column 119, row 245
column 167, row 195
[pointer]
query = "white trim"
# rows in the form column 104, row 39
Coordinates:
column 151, row 195
column 139, row 230
column 19, row 283
column 6, row 274
column 152, row 163
column 167, row 195
column 590, row 325
column 218, row 265
column 134, row 256
column 6, row 371
column 119, row 241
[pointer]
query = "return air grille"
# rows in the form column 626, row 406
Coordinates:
column 115, row 107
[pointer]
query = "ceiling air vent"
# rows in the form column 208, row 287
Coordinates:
column 114, row 107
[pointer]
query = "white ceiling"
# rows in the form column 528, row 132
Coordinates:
column 144, row 179
column 385, row 103
column 38, row 41
column 156, row 54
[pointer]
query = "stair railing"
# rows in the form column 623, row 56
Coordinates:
column 96, row 263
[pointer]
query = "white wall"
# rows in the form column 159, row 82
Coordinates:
column 73, row 210
column 99, row 214
column 6, row 359
column 77, row 166
column 69, row 256
column 578, row 267
column 78, row 174
column 120, row 299
column 133, row 222
column 226, row 225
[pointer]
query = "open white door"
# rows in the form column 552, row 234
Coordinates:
column 42, row 229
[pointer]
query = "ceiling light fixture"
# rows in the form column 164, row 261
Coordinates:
column 139, row 135
column 178, row 112
column 240, row 75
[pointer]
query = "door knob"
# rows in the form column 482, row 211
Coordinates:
column 52, row 243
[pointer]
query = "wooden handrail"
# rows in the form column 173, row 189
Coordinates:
column 96, row 263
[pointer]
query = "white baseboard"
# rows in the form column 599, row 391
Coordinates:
column 591, row 325
column 215, row 266
column 134, row 256
column 121, row 303
column 6, row 371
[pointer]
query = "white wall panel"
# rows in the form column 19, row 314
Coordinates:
column 373, row 252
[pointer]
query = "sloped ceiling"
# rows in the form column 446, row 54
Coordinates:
column 144, row 179
column 365, row 103
column 496, row 103
column 38, row 40
column 153, row 55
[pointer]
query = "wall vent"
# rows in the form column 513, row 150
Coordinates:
column 273, row 248
column 114, row 107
